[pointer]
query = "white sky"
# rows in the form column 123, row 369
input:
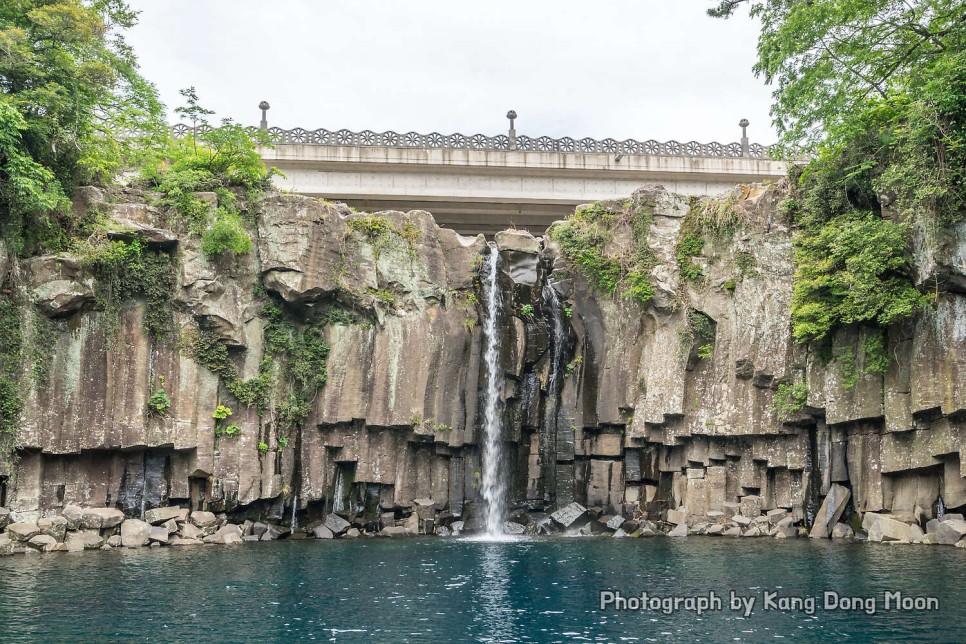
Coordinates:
column 639, row 69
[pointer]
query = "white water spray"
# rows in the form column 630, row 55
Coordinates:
column 494, row 480
column 337, row 495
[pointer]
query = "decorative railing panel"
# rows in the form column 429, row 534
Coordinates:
column 435, row 140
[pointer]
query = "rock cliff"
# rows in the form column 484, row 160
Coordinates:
column 348, row 348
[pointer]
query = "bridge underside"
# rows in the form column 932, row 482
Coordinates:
column 472, row 217
column 485, row 191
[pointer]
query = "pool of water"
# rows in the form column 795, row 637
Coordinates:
column 457, row 590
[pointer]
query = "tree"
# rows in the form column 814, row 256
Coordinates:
column 831, row 59
column 876, row 90
column 73, row 109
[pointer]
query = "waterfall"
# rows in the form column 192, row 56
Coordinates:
column 294, row 524
column 494, row 480
column 940, row 509
column 339, row 493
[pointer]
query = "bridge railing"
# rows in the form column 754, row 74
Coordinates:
column 501, row 142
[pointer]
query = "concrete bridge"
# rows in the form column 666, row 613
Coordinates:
column 483, row 184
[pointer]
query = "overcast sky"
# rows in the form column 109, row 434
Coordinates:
column 639, row 69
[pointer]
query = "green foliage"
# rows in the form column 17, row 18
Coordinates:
column 383, row 234
column 68, row 84
column 705, row 351
column 573, row 365
column 851, row 269
column 829, row 61
column 158, row 402
column 688, row 248
column 384, row 296
column 226, row 235
column 335, row 314
column 221, row 412
column 526, row 311
column 876, row 357
column 11, row 356
column 262, row 447
column 228, row 430
column 568, row 312
column 730, row 285
column 282, row 442
column 302, row 352
column 877, row 91
column 126, row 270
column 584, row 236
column 789, row 399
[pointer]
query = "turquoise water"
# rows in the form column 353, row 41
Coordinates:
column 441, row 590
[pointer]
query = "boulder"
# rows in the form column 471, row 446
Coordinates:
column 322, row 532
column 677, row 517
column 352, row 533
column 886, row 528
column 831, row 511
column 114, row 541
column 56, row 527
column 570, row 516
column 774, row 516
column 411, row 523
column 785, row 532
column 715, row 529
column 680, row 530
column 135, row 533
column 741, row 520
column 338, row 525
column 178, row 541
column 94, row 518
column 732, row 532
column 23, row 531
column 191, row 531
column 272, row 532
column 158, row 516
column 170, row 525
column 226, row 535
column 751, row 506
column 511, row 528
column 159, row 534
column 84, row 540
column 203, row 519
column 42, row 542
column 939, row 532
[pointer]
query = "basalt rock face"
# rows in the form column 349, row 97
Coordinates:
column 609, row 402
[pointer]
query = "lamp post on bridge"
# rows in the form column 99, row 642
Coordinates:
column 512, row 115
column 264, row 107
column 743, row 123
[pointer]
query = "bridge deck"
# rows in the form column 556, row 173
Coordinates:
column 483, row 191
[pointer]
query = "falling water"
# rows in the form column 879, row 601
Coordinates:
column 940, row 509
column 494, row 481
column 294, row 524
column 339, row 493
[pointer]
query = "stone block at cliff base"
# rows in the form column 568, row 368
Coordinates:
column 162, row 515
column 22, row 531
column 135, row 533
column 337, row 524
column 831, row 511
column 570, row 516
